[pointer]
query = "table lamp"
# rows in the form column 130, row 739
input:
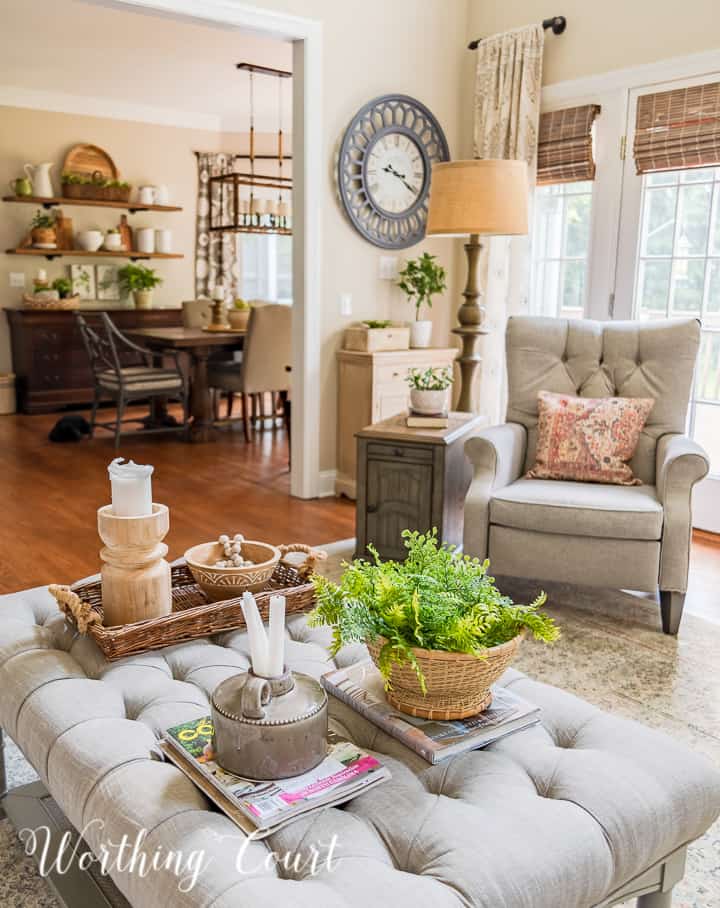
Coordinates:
column 476, row 197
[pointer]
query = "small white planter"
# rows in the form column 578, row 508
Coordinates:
column 420, row 333
column 143, row 299
column 89, row 240
column 430, row 403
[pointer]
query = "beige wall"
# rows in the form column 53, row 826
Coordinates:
column 373, row 47
column 603, row 36
column 143, row 153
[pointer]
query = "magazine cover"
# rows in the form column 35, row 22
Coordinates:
column 361, row 687
column 343, row 773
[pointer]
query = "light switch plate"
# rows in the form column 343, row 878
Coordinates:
column 17, row 278
column 388, row 267
column 346, row 304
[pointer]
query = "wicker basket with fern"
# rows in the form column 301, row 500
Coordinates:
column 436, row 625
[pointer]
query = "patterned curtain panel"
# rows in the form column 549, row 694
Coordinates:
column 678, row 128
column 215, row 257
column 507, row 112
column 565, row 146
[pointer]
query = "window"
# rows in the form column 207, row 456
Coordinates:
column 560, row 245
column 265, row 263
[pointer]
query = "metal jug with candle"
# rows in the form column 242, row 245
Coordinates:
column 270, row 723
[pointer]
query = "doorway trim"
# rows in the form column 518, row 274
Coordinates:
column 307, row 140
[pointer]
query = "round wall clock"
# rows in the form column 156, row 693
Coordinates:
column 384, row 169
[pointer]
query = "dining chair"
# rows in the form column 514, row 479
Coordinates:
column 124, row 372
column 196, row 313
column 267, row 356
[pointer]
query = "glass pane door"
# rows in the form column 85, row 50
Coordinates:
column 669, row 267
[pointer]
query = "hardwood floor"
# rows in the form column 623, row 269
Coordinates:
column 49, row 495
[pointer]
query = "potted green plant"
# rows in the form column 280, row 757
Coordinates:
column 239, row 314
column 436, row 625
column 430, row 390
column 42, row 230
column 140, row 281
column 420, row 280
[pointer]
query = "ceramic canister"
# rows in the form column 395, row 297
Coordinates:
column 270, row 728
column 145, row 239
column 163, row 240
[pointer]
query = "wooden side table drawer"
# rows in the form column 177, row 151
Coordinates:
column 409, row 453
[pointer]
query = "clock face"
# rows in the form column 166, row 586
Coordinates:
column 395, row 173
column 384, row 169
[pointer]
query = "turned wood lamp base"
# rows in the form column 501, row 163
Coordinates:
column 471, row 316
column 135, row 575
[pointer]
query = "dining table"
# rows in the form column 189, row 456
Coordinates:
column 199, row 345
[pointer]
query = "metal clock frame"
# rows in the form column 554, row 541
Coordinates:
column 361, row 136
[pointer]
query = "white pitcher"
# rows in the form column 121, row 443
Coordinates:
column 40, row 176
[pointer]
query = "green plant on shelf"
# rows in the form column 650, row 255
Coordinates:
column 96, row 179
column 137, row 277
column 43, row 220
column 377, row 323
column 430, row 379
column 420, row 280
column 435, row 599
column 64, row 286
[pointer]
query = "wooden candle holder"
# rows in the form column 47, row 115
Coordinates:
column 135, row 576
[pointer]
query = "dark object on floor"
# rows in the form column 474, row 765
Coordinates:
column 69, row 428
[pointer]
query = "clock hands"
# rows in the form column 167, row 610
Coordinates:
column 388, row 168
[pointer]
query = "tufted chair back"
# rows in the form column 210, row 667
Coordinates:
column 603, row 359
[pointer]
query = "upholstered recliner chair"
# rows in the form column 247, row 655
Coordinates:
column 623, row 537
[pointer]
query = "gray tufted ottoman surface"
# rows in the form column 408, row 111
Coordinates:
column 560, row 816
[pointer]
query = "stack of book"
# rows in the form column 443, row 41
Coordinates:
column 362, row 688
column 261, row 808
column 427, row 421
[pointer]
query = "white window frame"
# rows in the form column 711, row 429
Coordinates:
column 616, row 209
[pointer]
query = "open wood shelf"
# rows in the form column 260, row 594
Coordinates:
column 132, row 207
column 100, row 254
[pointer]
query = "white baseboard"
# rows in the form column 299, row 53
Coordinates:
column 326, row 483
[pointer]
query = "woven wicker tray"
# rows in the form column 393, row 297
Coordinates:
column 192, row 615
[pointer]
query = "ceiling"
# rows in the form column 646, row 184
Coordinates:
column 135, row 60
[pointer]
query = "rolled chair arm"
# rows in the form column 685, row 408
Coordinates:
column 680, row 463
column 497, row 455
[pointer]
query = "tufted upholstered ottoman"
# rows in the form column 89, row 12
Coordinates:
column 583, row 810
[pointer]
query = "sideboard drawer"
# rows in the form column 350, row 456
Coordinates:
column 393, row 451
column 391, row 373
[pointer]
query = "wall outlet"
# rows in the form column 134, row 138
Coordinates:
column 17, row 278
column 388, row 267
column 346, row 304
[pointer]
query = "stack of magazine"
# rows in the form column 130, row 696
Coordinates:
column 416, row 420
column 362, row 688
column 261, row 808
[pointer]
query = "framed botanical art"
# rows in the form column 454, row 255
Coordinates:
column 83, row 281
column 108, row 286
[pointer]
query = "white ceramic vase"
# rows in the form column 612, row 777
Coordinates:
column 420, row 333
column 430, row 403
column 89, row 240
column 145, row 239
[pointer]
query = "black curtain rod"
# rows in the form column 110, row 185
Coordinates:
column 557, row 23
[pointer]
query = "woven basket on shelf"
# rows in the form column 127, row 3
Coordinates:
column 70, row 302
column 458, row 684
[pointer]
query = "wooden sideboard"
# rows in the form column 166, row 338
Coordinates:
column 371, row 388
column 49, row 359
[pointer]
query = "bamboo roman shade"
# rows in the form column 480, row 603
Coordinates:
column 565, row 150
column 678, row 128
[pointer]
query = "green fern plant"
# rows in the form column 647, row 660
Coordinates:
column 435, row 599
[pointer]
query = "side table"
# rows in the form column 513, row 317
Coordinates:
column 411, row 479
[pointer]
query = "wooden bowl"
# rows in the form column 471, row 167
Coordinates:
column 226, row 583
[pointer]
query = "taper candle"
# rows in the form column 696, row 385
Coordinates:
column 276, row 636
column 256, row 635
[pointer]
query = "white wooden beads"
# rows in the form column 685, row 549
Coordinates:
column 232, row 549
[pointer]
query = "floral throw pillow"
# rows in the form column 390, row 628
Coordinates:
column 588, row 439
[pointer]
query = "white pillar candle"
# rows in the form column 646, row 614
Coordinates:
column 276, row 636
column 218, row 292
column 256, row 636
column 131, row 488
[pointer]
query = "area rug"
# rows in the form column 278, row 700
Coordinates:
column 612, row 653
